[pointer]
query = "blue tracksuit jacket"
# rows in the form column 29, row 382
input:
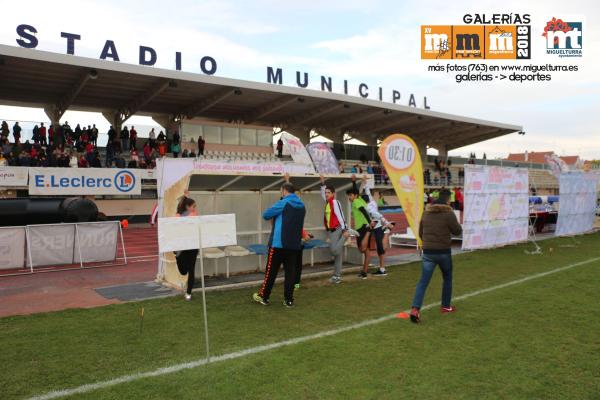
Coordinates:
column 288, row 214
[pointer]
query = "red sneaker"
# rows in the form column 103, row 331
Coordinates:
column 415, row 315
column 446, row 310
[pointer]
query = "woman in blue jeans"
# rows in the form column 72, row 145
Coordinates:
column 437, row 226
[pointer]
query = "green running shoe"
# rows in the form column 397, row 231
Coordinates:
column 297, row 286
column 256, row 297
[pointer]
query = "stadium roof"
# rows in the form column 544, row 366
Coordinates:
column 37, row 78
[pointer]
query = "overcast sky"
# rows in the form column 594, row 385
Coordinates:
column 375, row 41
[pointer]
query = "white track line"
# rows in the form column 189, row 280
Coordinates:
column 259, row 349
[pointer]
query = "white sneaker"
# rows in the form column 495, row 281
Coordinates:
column 188, row 297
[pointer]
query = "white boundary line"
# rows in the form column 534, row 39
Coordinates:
column 259, row 349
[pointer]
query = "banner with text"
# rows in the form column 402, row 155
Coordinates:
column 577, row 203
column 84, row 181
column 402, row 162
column 496, row 207
column 52, row 244
column 323, row 158
column 13, row 176
column 97, row 241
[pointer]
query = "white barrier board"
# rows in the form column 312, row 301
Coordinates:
column 185, row 233
column 12, row 247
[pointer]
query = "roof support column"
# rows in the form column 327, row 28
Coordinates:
column 115, row 119
column 167, row 122
column 54, row 114
column 442, row 152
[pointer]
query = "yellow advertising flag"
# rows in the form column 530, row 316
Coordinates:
column 402, row 162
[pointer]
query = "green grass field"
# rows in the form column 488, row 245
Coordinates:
column 539, row 339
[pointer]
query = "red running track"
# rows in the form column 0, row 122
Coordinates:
column 69, row 286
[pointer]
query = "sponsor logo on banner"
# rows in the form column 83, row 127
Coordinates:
column 564, row 39
column 402, row 162
column 78, row 181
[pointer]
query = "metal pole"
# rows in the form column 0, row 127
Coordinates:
column 78, row 246
column 123, row 243
column 204, row 298
column 29, row 248
column 260, row 193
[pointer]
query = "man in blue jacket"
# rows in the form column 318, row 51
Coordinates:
column 284, row 244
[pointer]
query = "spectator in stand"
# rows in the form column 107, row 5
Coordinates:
column 280, row 148
column 176, row 144
column 384, row 176
column 3, row 161
column 147, row 151
column 6, row 146
column 112, row 134
column 192, row 154
column 427, row 176
column 341, row 167
column 17, row 132
column 175, row 149
column 35, row 134
column 161, row 137
column 185, row 153
column 96, row 160
column 133, row 155
column 94, row 136
column 133, row 138
column 73, row 160
column 24, row 159
column 110, row 152
column 4, row 131
column 460, row 198
column 448, row 176
column 125, row 139
column 370, row 169
column 82, row 162
column 12, row 160
column 152, row 137
column 66, row 130
column 120, row 161
column 201, row 144
column 162, row 147
column 77, row 133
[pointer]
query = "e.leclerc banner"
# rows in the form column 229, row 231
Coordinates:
column 80, row 181
column 402, row 162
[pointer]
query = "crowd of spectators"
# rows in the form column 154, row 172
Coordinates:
column 63, row 146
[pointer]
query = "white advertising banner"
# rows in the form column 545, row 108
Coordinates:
column 171, row 170
column 13, row 176
column 82, row 181
column 496, row 206
column 323, row 158
column 296, row 149
column 52, row 244
column 577, row 203
column 185, row 233
column 97, row 241
column 12, row 247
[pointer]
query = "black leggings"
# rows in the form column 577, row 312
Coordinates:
column 299, row 265
column 186, row 264
column 378, row 233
